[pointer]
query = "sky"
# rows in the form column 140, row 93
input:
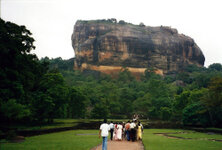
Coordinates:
column 52, row 21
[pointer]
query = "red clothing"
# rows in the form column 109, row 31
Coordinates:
column 127, row 126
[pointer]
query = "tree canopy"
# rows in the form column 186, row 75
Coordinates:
column 38, row 91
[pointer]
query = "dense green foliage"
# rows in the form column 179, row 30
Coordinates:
column 20, row 71
column 192, row 97
column 35, row 90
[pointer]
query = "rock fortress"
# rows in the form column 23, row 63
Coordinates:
column 108, row 46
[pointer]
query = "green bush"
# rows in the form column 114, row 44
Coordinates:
column 196, row 115
column 13, row 111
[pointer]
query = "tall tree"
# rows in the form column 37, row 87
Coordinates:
column 55, row 91
column 77, row 103
column 20, row 69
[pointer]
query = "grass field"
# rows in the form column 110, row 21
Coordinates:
column 69, row 140
column 74, row 140
column 199, row 141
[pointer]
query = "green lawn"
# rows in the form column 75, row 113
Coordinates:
column 68, row 140
column 156, row 142
column 198, row 135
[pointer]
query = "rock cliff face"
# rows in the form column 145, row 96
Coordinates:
column 107, row 47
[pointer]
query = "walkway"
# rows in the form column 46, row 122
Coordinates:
column 122, row 145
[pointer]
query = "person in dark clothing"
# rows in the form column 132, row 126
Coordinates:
column 111, row 126
column 133, row 131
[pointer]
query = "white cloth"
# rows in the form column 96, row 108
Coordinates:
column 132, row 125
column 111, row 126
column 104, row 129
column 119, row 132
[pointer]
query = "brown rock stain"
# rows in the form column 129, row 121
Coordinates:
column 86, row 53
column 114, row 70
column 190, row 54
column 105, row 55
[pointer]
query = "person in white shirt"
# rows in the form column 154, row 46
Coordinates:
column 104, row 132
column 111, row 126
column 133, row 131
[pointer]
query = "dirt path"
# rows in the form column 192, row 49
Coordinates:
column 122, row 145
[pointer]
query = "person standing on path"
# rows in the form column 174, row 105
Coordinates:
column 104, row 132
column 133, row 131
column 139, row 131
column 111, row 126
column 127, row 128
column 119, row 131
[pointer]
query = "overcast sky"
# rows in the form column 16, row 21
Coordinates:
column 52, row 21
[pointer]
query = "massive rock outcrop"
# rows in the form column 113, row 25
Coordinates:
column 107, row 47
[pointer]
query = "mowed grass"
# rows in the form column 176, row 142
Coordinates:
column 198, row 135
column 73, row 140
column 68, row 140
column 157, row 142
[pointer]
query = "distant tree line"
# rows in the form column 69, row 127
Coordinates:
column 193, row 97
column 38, row 91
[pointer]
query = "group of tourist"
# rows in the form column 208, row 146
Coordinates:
column 130, row 131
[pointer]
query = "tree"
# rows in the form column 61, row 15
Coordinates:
column 113, row 20
column 150, row 74
column 100, row 111
column 125, row 75
column 122, row 22
column 15, row 45
column 77, row 103
column 42, row 107
column 143, row 105
column 195, row 114
column 20, row 69
column 141, row 24
column 179, row 103
column 126, row 99
column 193, row 68
column 185, row 77
column 215, row 89
column 201, row 79
column 166, row 113
column 215, row 66
column 213, row 101
column 14, row 111
column 53, row 94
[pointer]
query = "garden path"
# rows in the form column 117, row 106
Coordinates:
column 121, row 145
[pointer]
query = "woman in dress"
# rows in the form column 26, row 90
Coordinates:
column 119, row 131
column 115, row 132
column 139, row 131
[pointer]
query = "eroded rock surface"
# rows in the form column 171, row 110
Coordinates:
column 107, row 47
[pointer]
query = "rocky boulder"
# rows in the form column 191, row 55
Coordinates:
column 107, row 47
